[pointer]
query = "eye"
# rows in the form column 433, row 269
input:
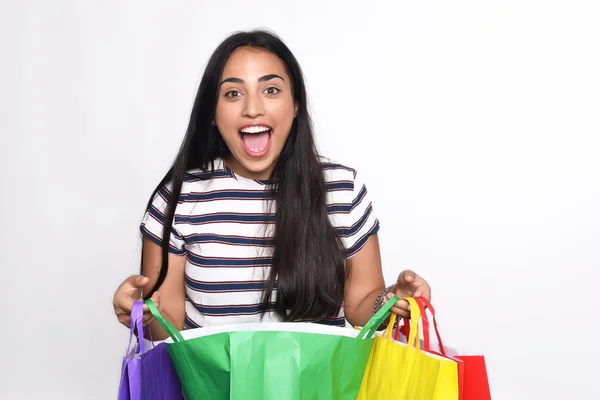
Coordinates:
column 271, row 91
column 233, row 94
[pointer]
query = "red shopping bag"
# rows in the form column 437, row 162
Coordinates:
column 472, row 372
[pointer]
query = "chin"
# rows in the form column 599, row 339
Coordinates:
column 261, row 167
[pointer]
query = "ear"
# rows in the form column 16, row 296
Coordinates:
column 295, row 110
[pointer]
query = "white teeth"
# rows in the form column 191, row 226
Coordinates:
column 257, row 150
column 256, row 129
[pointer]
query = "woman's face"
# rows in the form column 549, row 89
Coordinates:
column 255, row 111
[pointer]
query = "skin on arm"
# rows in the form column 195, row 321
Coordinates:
column 171, row 293
column 364, row 282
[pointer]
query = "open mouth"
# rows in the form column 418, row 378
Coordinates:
column 256, row 140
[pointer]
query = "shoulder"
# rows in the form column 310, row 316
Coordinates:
column 214, row 170
column 199, row 179
column 349, row 206
column 336, row 172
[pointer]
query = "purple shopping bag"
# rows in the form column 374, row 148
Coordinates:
column 147, row 375
column 159, row 377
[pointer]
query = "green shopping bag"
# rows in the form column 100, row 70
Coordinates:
column 261, row 361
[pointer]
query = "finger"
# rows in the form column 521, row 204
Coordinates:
column 423, row 293
column 423, row 290
column 124, row 319
column 404, row 292
column 133, row 285
column 148, row 319
column 398, row 294
column 400, row 304
column 147, row 324
column 406, row 277
column 400, row 312
column 138, row 281
column 156, row 300
column 122, row 303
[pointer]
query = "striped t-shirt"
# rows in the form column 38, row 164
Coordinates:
column 223, row 226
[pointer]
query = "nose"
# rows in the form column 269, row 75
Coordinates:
column 253, row 106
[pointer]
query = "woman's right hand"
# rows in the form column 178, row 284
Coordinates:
column 128, row 293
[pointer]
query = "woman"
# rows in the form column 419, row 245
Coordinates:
column 261, row 228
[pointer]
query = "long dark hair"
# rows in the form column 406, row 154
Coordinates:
column 308, row 258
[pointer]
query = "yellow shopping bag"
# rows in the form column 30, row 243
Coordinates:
column 399, row 371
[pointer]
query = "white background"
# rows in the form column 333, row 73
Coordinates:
column 475, row 125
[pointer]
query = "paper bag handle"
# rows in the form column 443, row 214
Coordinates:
column 376, row 320
column 136, row 320
column 415, row 315
column 423, row 302
column 167, row 326
column 404, row 328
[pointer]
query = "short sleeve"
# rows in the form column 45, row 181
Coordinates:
column 152, row 222
column 359, row 220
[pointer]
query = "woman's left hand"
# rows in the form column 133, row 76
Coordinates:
column 409, row 284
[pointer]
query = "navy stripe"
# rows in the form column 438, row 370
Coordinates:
column 346, row 232
column 340, row 185
column 222, row 287
column 203, row 176
column 359, row 198
column 160, row 217
column 164, row 193
column 332, row 322
column 157, row 240
column 188, row 323
column 220, row 311
column 339, row 208
column 330, row 165
column 226, row 195
column 345, row 208
column 248, row 194
column 218, row 262
column 361, row 242
column 225, row 217
column 157, row 215
column 233, row 240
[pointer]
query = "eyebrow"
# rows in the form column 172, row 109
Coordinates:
column 264, row 78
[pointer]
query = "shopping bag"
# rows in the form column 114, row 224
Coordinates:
column 473, row 378
column 284, row 361
column 398, row 370
column 147, row 375
column 159, row 377
column 131, row 373
column 405, row 328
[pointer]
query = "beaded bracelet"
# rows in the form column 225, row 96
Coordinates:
column 379, row 304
